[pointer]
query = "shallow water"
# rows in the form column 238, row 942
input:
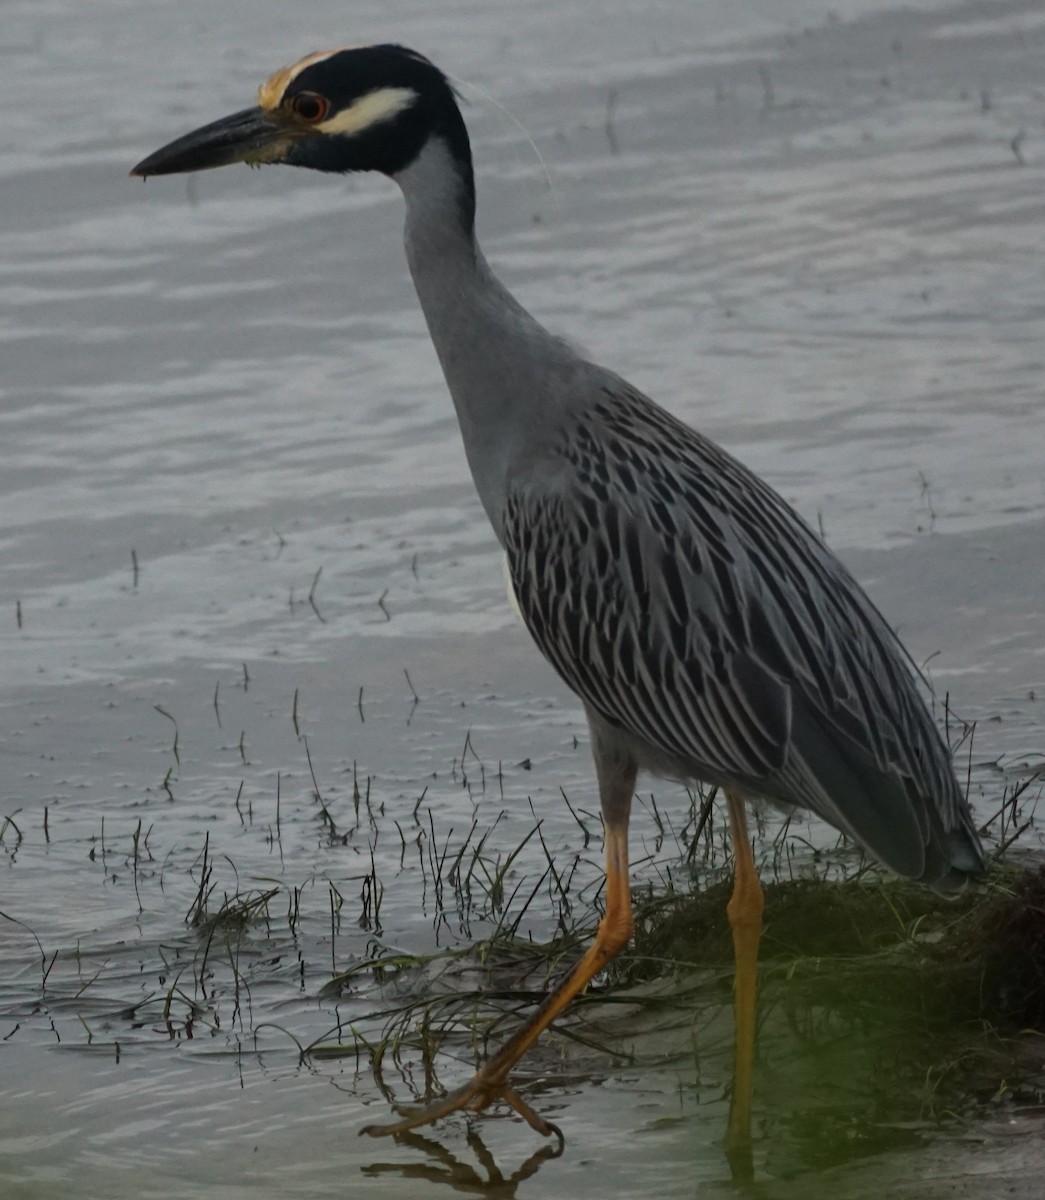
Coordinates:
column 810, row 235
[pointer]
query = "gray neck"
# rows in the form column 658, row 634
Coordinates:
column 498, row 361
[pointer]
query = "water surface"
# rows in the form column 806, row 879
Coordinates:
column 816, row 235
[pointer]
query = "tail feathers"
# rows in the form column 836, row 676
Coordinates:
column 909, row 832
column 955, row 858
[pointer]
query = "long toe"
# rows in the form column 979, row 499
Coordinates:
column 474, row 1096
column 462, row 1098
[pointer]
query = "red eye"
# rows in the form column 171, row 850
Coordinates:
column 310, row 106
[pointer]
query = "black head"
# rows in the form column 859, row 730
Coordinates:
column 366, row 108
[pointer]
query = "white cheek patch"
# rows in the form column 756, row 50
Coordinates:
column 371, row 109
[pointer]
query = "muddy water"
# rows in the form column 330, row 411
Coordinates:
column 237, row 534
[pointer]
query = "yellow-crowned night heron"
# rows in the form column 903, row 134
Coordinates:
column 708, row 631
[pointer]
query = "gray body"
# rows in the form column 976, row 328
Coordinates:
column 709, row 632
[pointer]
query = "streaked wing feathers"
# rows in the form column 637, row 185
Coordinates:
column 687, row 603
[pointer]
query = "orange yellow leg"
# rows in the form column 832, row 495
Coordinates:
column 491, row 1080
column 745, row 920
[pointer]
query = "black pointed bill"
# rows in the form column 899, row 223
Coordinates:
column 252, row 136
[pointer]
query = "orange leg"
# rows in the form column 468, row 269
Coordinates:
column 490, row 1082
column 745, row 919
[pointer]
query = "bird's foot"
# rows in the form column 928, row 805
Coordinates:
column 740, row 1159
column 474, row 1096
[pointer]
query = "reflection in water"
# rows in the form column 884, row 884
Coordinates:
column 447, row 1168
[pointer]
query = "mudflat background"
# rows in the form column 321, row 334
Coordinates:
column 237, row 534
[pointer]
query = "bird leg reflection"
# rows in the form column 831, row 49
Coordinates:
column 491, row 1080
column 446, row 1167
column 745, row 919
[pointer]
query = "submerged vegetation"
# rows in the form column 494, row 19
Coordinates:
column 939, row 1003
column 882, row 1005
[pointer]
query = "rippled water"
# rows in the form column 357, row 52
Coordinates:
column 819, row 238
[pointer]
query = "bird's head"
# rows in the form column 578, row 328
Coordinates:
column 364, row 108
